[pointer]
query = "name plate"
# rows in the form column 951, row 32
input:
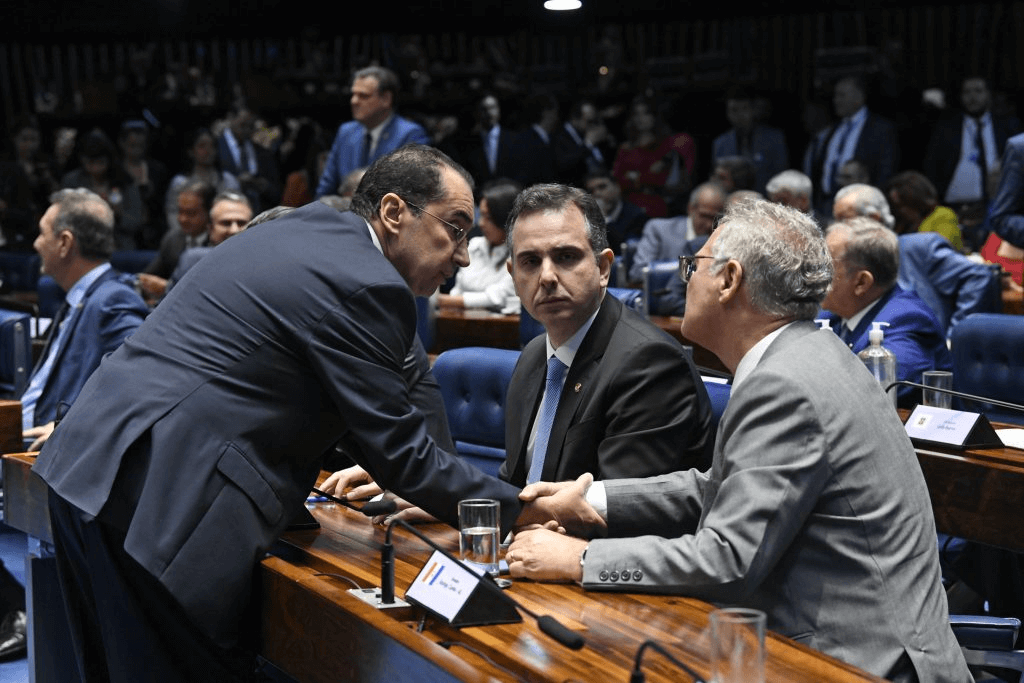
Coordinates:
column 453, row 592
column 954, row 428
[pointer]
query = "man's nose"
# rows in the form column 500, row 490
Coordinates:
column 461, row 256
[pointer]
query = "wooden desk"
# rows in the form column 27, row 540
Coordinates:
column 1013, row 302
column 458, row 327
column 314, row 630
column 976, row 494
column 10, row 426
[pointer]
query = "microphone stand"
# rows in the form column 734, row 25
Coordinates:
column 637, row 676
column 959, row 394
column 547, row 623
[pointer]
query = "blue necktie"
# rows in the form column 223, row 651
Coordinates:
column 843, row 133
column 552, row 394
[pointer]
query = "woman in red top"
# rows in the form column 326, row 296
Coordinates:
column 653, row 164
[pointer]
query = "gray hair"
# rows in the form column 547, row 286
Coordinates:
column 792, row 180
column 870, row 246
column 89, row 218
column 554, row 198
column 783, row 254
column 869, row 201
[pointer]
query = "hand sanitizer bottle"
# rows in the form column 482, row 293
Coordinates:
column 879, row 360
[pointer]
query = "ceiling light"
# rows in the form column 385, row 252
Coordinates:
column 562, row 5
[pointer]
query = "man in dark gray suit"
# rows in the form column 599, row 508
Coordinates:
column 814, row 511
column 190, row 448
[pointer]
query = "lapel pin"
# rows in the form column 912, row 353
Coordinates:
column 578, row 387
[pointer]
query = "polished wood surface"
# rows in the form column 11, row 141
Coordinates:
column 457, row 327
column 976, row 494
column 1013, row 301
column 10, row 427
column 316, row 631
column 25, row 497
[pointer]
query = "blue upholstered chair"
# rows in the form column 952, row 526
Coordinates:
column 19, row 271
column 989, row 641
column 634, row 298
column 15, row 352
column 988, row 360
column 718, row 392
column 474, row 381
column 656, row 277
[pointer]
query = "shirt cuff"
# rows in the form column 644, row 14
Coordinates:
column 598, row 499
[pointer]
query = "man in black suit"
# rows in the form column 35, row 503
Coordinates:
column 189, row 450
column 630, row 400
column 582, row 144
column 624, row 220
column 253, row 164
column 858, row 134
column 965, row 151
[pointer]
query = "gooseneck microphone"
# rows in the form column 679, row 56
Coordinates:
column 959, row 394
column 637, row 675
column 546, row 623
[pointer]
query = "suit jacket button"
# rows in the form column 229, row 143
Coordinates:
column 638, row 575
column 603, row 575
column 625, row 575
column 615, row 576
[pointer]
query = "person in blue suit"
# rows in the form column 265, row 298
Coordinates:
column 762, row 144
column 374, row 131
column 865, row 255
column 1006, row 215
column 193, row 445
column 76, row 239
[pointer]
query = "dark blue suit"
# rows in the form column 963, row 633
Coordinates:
column 951, row 284
column 110, row 311
column 1006, row 214
column 943, row 152
column 347, row 150
column 218, row 412
column 913, row 335
column 768, row 151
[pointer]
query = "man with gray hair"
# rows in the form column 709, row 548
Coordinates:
column 101, row 308
column 374, row 131
column 951, row 284
column 795, row 189
column 866, row 259
column 814, row 510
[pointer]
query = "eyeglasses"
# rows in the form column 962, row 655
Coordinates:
column 688, row 266
column 458, row 233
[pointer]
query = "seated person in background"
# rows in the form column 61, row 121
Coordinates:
column 202, row 164
column 485, row 282
column 866, row 259
column 624, row 220
column 1011, row 258
column 793, row 188
column 628, row 402
column 748, row 137
column 735, row 173
column 852, row 171
column 230, row 215
column 76, row 238
column 951, row 284
column 814, row 509
column 195, row 200
column 665, row 239
column 915, row 203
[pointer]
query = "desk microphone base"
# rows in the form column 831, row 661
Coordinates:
column 371, row 596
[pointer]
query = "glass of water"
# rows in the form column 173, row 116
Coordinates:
column 478, row 533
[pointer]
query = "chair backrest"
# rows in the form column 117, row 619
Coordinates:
column 656, row 278
column 19, row 271
column 132, row 260
column 988, row 360
column 51, row 296
column 624, row 261
column 633, row 298
column 718, row 392
column 15, row 352
column 474, row 381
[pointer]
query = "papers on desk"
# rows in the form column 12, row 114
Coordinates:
column 1012, row 438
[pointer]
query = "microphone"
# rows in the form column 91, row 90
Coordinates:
column 546, row 623
column 372, row 508
column 958, row 394
column 637, row 676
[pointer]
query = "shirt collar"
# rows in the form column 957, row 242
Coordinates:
column 377, row 130
column 854, row 320
column 78, row 290
column 752, row 357
column 567, row 351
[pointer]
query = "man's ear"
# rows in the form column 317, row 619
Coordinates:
column 392, row 211
column 66, row 243
column 863, row 282
column 604, row 264
column 732, row 278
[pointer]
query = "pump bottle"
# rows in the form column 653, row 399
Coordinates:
column 880, row 361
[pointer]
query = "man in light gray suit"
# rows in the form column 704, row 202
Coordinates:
column 814, row 510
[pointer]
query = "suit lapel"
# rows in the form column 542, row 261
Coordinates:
column 577, row 381
column 70, row 321
column 526, row 401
